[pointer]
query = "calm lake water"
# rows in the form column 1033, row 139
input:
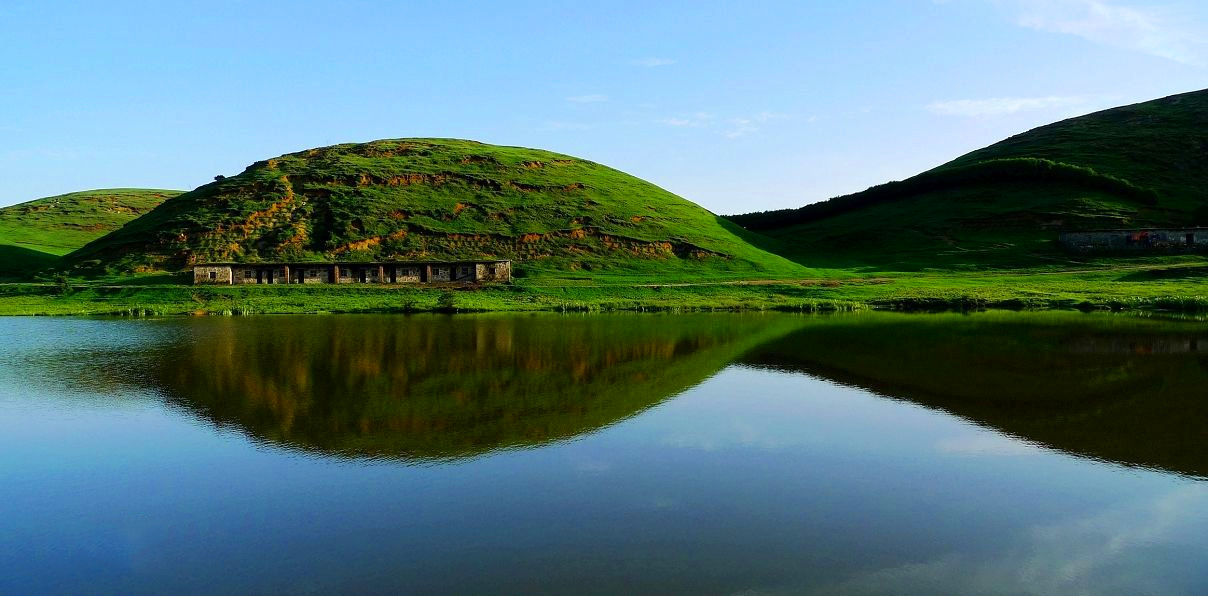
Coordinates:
column 1054, row 453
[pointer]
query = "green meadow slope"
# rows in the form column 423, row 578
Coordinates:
column 34, row 234
column 1003, row 206
column 558, row 216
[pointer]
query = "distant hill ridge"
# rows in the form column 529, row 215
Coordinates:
column 1012, row 170
column 1139, row 165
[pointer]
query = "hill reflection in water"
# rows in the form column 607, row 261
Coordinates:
column 1121, row 389
column 435, row 388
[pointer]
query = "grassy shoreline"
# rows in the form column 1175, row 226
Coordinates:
column 1166, row 289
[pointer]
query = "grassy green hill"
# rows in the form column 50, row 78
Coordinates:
column 1003, row 206
column 438, row 199
column 34, row 234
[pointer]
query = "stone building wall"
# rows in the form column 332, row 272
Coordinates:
column 1148, row 240
column 407, row 274
column 309, row 275
column 501, row 271
column 352, row 273
column 463, row 272
column 212, row 274
column 357, row 274
column 244, row 275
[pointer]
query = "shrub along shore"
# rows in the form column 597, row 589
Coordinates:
column 1170, row 288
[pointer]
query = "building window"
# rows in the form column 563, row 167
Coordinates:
column 213, row 275
column 247, row 274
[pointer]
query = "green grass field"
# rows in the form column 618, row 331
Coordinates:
column 1166, row 286
column 34, row 234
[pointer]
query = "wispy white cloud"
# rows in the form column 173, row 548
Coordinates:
column 749, row 124
column 591, row 98
column 563, row 125
column 651, row 62
column 50, row 153
column 740, row 127
column 1156, row 31
column 693, row 120
column 731, row 128
column 1000, row 106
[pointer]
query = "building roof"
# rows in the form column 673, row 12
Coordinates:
column 344, row 263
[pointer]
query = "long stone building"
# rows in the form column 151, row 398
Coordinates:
column 1136, row 240
column 353, row 273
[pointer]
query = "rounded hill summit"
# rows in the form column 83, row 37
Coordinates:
column 415, row 199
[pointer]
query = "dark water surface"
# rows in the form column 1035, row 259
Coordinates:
column 1054, row 453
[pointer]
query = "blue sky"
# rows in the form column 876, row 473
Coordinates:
column 738, row 106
